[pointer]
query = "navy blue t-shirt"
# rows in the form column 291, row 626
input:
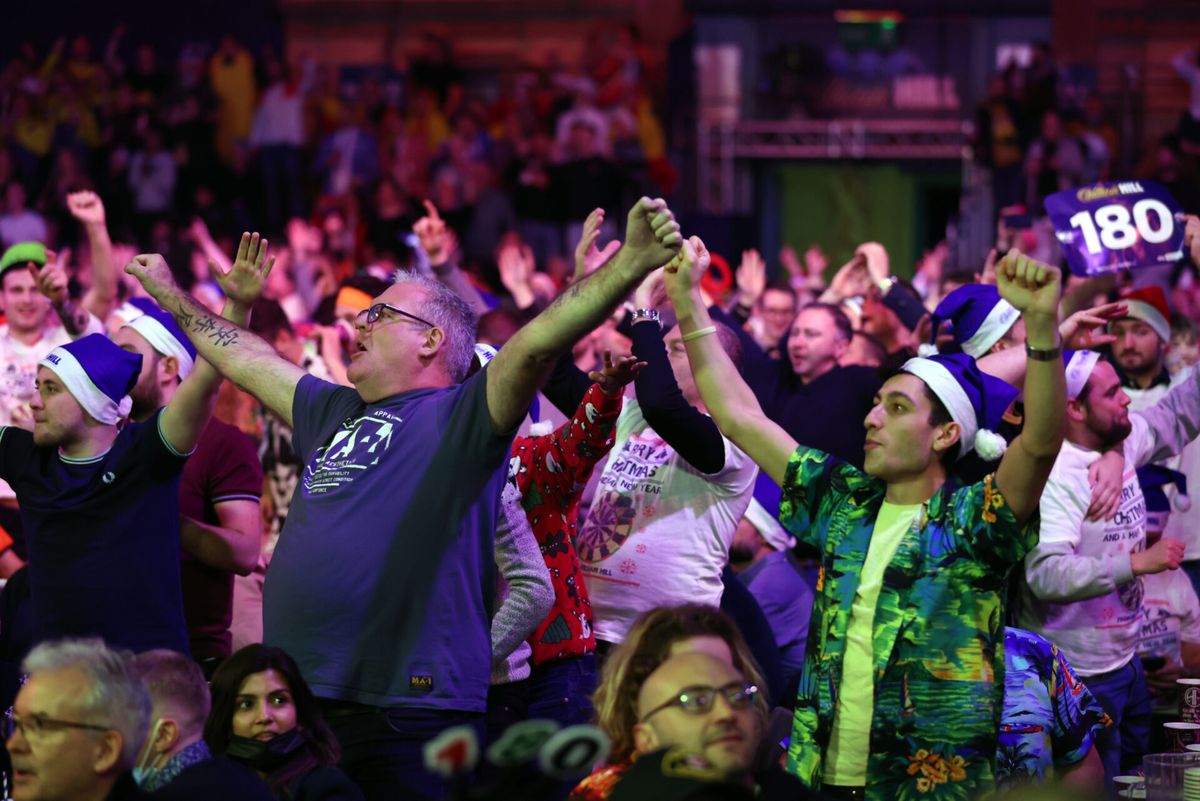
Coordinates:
column 103, row 538
column 381, row 585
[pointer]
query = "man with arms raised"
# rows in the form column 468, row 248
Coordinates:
column 380, row 583
column 906, row 641
column 100, row 500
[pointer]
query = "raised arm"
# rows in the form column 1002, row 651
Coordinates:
column 52, row 282
column 189, row 410
column 1033, row 289
column 438, row 242
column 728, row 399
column 88, row 208
column 244, row 358
column 651, row 239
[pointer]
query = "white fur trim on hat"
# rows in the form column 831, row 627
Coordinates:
column 1141, row 310
column 101, row 407
column 766, row 525
column 947, row 389
column 1079, row 370
column 163, row 341
column 1001, row 318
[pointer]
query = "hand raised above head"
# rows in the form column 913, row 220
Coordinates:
column 244, row 282
column 652, row 236
column 1030, row 286
column 153, row 272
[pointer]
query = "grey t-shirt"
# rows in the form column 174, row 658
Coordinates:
column 382, row 583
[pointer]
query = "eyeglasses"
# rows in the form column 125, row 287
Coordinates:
column 700, row 699
column 36, row 726
column 368, row 317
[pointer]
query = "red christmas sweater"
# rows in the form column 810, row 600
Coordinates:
column 551, row 472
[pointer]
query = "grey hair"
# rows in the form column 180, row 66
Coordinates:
column 454, row 316
column 177, row 684
column 115, row 698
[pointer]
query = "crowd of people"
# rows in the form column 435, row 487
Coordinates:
column 369, row 506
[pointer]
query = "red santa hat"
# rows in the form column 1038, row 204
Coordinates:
column 1149, row 304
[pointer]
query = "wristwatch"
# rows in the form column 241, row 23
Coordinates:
column 1043, row 354
column 647, row 314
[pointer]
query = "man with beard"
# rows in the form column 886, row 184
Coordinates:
column 1082, row 587
column 220, row 487
column 1139, row 353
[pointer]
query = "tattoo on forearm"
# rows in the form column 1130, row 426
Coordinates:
column 220, row 335
column 74, row 318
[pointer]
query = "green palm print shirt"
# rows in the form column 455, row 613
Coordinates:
column 938, row 633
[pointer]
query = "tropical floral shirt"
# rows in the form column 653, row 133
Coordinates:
column 1049, row 718
column 551, row 471
column 938, row 632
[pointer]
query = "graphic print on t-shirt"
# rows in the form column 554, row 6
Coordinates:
column 355, row 447
column 631, row 475
column 1128, row 526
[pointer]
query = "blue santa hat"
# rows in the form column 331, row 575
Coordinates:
column 975, row 400
column 1078, row 365
column 978, row 317
column 159, row 329
column 98, row 374
column 1154, row 480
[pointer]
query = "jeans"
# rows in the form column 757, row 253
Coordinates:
column 382, row 749
column 562, row 690
column 1124, row 696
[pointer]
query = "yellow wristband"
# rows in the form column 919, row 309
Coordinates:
column 699, row 332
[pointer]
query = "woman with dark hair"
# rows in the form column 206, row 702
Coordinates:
column 265, row 716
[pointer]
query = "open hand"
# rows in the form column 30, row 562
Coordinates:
column 588, row 257
column 244, row 282
column 751, row 277
column 1085, row 329
column 616, row 373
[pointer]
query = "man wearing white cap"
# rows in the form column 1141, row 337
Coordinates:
column 100, row 500
column 1143, row 338
column 1082, row 588
column 761, row 555
column 220, row 522
column 906, row 642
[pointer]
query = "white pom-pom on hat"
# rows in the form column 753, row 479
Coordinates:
column 927, row 349
column 1182, row 502
column 989, row 445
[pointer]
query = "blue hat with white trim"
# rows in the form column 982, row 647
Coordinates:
column 1154, row 480
column 98, row 373
column 978, row 317
column 975, row 400
column 160, row 330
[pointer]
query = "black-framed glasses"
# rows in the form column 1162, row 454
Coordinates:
column 35, row 726
column 699, row 699
column 368, row 317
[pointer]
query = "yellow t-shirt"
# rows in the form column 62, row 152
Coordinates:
column 846, row 760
